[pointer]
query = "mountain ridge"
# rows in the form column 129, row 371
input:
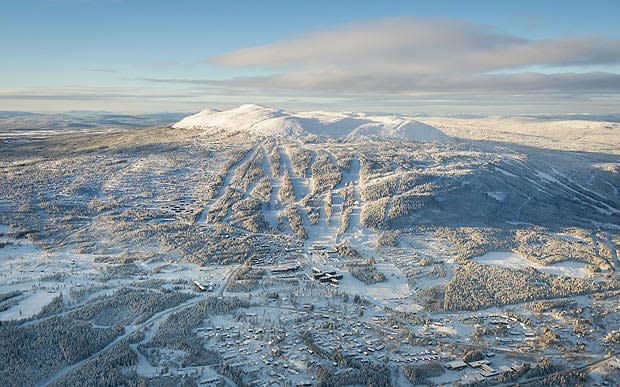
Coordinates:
column 266, row 121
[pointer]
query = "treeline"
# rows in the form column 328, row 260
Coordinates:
column 472, row 242
column 286, row 194
column 312, row 204
column 127, row 305
column 388, row 239
column 296, row 222
column 300, row 159
column 325, row 174
column 217, row 247
column 358, row 373
column 220, row 208
column 419, row 374
column 541, row 247
column 373, row 168
column 474, row 286
column 373, row 213
column 380, row 188
column 407, row 203
column 262, row 190
column 176, row 327
column 29, row 353
column 107, row 370
column 249, row 172
column 274, row 161
column 371, row 375
column 175, row 331
column 248, row 214
column 346, row 193
column 9, row 295
column 366, row 272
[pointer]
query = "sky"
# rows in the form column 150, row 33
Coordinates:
column 432, row 57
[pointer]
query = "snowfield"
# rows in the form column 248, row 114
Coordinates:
column 561, row 134
column 515, row 261
column 264, row 121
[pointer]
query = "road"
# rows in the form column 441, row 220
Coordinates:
column 156, row 319
column 129, row 330
column 582, row 367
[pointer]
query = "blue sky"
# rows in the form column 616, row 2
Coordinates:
column 407, row 56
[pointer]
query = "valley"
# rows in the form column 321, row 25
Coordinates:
column 332, row 249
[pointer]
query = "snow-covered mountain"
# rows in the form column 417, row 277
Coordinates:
column 265, row 121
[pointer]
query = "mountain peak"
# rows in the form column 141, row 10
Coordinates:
column 266, row 121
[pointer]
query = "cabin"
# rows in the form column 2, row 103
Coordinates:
column 199, row 286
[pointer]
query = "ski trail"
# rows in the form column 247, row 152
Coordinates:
column 300, row 184
column 571, row 188
column 613, row 254
column 521, row 207
column 270, row 209
column 595, row 243
column 311, row 163
column 353, row 177
column 225, row 184
column 258, row 152
column 129, row 330
column 587, row 193
column 388, row 207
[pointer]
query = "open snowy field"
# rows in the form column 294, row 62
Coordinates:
column 547, row 133
column 515, row 261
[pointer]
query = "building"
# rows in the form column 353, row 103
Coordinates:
column 456, row 365
column 199, row 286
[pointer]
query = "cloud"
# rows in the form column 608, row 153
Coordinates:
column 350, row 82
column 100, row 70
column 414, row 44
column 178, row 81
column 86, row 93
column 160, row 63
column 413, row 55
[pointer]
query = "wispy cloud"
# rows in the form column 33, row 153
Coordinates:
column 178, row 81
column 88, row 93
column 160, row 63
column 417, row 84
column 412, row 55
column 100, row 70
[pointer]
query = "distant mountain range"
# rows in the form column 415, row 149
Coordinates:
column 11, row 120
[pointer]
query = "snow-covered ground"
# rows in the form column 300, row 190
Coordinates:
column 391, row 292
column 265, row 121
column 43, row 275
column 564, row 134
column 28, row 306
column 515, row 261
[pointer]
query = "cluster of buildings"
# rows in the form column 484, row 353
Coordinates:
column 323, row 251
column 285, row 269
column 326, row 276
column 480, row 370
column 515, row 334
column 204, row 288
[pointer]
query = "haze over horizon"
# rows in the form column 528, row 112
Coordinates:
column 397, row 56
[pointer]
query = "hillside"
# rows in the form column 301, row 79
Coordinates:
column 269, row 122
column 103, row 233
